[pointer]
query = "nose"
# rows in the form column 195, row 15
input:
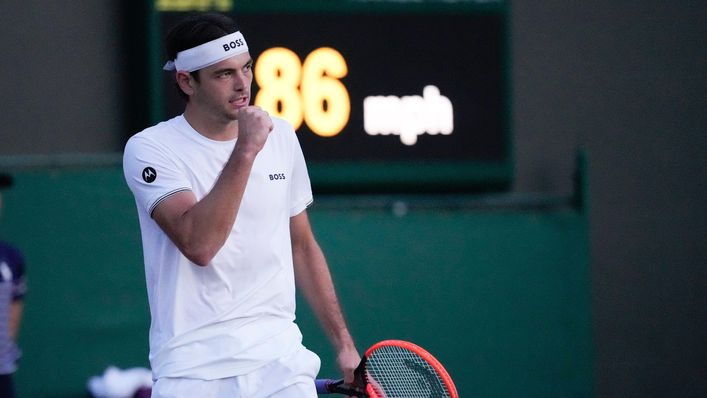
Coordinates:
column 240, row 81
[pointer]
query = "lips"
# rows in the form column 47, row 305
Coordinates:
column 239, row 101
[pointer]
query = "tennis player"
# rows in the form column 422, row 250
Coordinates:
column 12, row 291
column 222, row 192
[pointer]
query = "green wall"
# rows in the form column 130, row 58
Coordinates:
column 499, row 295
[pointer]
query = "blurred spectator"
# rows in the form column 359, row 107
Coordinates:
column 12, row 290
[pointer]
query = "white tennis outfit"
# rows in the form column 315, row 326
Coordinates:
column 237, row 314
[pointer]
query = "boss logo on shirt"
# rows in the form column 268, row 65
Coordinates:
column 277, row 176
column 149, row 174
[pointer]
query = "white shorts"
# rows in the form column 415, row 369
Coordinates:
column 289, row 377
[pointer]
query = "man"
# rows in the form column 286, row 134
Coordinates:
column 222, row 192
column 12, row 290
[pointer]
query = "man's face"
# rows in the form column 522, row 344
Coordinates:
column 224, row 88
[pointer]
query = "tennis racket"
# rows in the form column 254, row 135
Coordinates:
column 395, row 369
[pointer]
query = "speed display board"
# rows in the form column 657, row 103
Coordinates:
column 384, row 95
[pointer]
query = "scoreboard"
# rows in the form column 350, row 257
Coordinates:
column 385, row 96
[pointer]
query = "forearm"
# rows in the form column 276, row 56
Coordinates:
column 15, row 317
column 315, row 282
column 199, row 229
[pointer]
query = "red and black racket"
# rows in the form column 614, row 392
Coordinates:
column 395, row 369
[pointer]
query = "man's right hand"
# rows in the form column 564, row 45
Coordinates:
column 254, row 126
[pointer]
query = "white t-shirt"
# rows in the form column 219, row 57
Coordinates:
column 237, row 313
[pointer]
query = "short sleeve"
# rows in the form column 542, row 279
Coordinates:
column 151, row 174
column 12, row 270
column 300, row 188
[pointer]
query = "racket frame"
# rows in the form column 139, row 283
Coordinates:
column 414, row 348
column 369, row 385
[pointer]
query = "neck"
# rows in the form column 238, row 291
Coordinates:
column 214, row 127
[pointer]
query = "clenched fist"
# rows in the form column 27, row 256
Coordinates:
column 254, row 126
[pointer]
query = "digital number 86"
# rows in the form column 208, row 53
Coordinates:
column 308, row 91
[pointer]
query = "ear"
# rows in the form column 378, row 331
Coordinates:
column 185, row 82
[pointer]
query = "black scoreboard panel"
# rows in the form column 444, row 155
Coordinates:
column 395, row 98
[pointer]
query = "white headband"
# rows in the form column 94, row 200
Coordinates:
column 208, row 53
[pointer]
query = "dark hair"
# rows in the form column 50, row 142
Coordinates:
column 5, row 180
column 195, row 30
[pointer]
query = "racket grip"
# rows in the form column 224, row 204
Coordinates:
column 324, row 386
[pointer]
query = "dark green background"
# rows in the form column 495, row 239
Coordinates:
column 500, row 295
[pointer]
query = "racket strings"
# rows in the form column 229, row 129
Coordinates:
column 396, row 372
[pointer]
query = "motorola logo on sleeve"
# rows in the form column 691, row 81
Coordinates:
column 149, row 175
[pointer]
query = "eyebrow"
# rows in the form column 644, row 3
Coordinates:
column 223, row 70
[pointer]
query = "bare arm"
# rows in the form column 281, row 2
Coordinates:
column 15, row 316
column 314, row 280
column 200, row 228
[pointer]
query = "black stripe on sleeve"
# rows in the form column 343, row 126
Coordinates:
column 163, row 197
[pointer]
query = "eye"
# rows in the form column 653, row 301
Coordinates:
column 224, row 75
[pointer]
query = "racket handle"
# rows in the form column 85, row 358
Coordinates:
column 326, row 386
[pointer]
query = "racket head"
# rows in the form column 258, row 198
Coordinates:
column 397, row 369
